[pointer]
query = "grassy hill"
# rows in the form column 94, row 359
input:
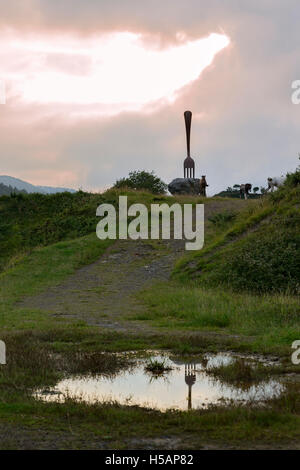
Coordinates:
column 36, row 220
column 51, row 324
column 257, row 250
column 245, row 281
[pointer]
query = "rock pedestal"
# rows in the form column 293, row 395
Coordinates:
column 185, row 186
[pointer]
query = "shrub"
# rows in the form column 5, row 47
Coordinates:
column 260, row 252
column 293, row 179
column 265, row 261
column 140, row 180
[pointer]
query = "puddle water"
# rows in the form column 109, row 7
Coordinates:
column 185, row 386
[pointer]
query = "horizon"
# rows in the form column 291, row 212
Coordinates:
column 101, row 190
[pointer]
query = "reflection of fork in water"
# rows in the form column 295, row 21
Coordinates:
column 190, row 379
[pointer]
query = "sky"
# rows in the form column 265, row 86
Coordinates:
column 95, row 89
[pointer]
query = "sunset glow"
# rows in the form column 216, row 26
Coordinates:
column 115, row 69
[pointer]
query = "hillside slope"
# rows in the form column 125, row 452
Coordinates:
column 31, row 220
column 30, row 188
column 260, row 252
column 8, row 190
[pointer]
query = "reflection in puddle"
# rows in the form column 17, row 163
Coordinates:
column 186, row 386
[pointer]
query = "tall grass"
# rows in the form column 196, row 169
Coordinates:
column 271, row 320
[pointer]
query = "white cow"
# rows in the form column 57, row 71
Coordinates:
column 275, row 182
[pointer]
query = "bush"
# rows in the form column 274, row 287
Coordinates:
column 293, row 179
column 140, row 180
column 260, row 252
column 265, row 261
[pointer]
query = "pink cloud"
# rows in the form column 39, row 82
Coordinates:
column 114, row 71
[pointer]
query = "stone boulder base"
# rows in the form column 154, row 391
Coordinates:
column 185, row 186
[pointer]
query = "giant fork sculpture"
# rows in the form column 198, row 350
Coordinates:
column 188, row 164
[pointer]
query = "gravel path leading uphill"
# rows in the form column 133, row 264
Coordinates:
column 103, row 293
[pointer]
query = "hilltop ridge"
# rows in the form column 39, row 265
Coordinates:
column 30, row 188
column 256, row 250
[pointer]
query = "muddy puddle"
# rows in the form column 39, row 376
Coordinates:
column 184, row 385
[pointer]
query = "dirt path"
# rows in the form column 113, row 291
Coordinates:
column 103, row 293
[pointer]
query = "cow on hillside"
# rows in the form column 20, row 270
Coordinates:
column 203, row 186
column 245, row 190
column 275, row 182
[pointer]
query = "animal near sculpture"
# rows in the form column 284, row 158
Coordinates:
column 203, row 186
column 245, row 190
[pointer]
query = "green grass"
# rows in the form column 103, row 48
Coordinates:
column 120, row 423
column 259, row 252
column 44, row 239
column 34, row 220
column 272, row 321
column 32, row 365
column 242, row 373
column 42, row 268
column 157, row 367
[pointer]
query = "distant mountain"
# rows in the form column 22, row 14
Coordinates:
column 30, row 188
column 8, row 190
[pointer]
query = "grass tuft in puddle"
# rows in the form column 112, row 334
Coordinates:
column 157, row 367
column 240, row 371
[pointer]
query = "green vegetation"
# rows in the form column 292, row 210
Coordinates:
column 157, row 367
column 244, row 282
column 9, row 190
column 33, row 362
column 259, row 253
column 127, row 427
column 242, row 373
column 142, row 180
column 266, row 323
column 46, row 238
column 44, row 267
column 35, row 220
column 234, row 192
column 222, row 219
